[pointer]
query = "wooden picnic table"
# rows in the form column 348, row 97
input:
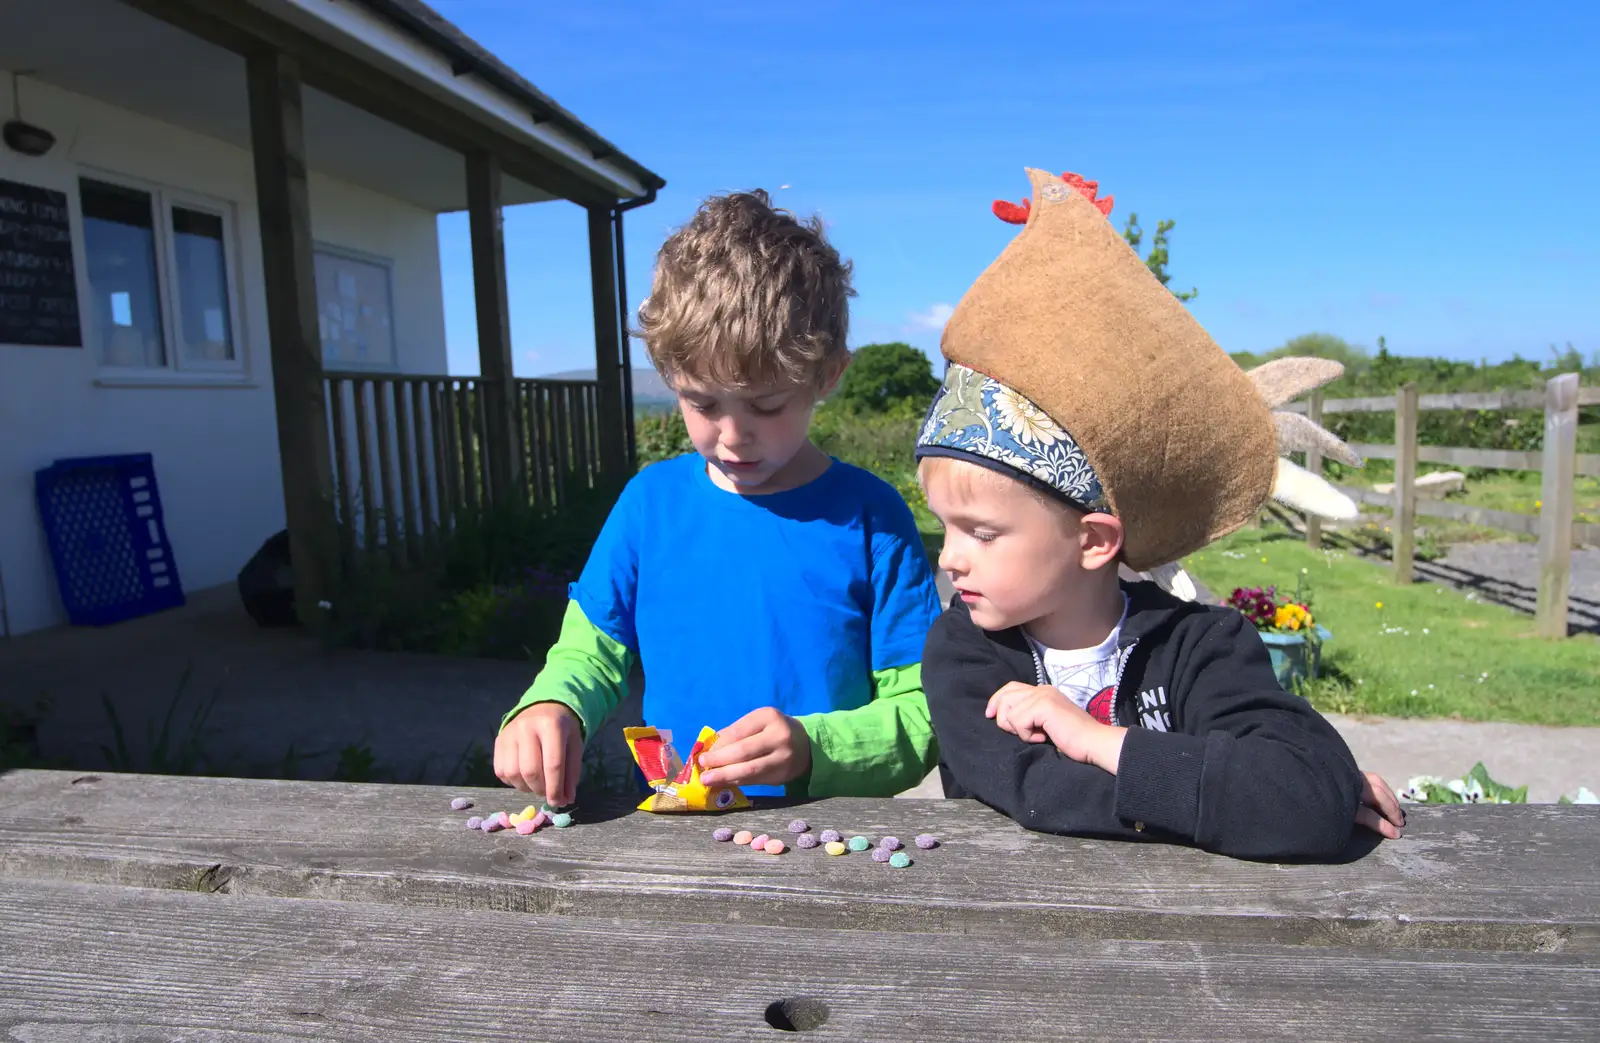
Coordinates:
column 154, row 908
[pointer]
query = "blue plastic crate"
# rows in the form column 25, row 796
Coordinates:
column 108, row 539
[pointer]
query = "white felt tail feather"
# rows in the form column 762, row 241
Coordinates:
column 1281, row 380
column 1172, row 579
column 1298, row 488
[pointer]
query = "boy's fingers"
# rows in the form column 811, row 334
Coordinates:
column 734, row 743
column 556, row 765
column 1377, row 794
column 572, row 748
column 746, row 749
column 529, row 774
column 756, row 771
column 1370, row 819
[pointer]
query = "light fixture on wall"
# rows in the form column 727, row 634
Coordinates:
column 20, row 135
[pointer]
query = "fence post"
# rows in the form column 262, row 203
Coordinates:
column 1314, row 465
column 1405, row 481
column 1559, row 473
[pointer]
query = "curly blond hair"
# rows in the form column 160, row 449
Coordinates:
column 747, row 295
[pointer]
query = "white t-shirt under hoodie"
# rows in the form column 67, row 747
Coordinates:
column 1087, row 676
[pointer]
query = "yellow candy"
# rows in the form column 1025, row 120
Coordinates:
column 835, row 848
column 528, row 812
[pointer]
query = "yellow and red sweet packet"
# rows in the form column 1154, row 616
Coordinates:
column 677, row 783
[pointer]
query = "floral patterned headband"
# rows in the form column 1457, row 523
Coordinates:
column 978, row 419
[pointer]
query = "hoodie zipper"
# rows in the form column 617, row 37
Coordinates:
column 1124, row 654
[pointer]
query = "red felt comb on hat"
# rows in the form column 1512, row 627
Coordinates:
column 1017, row 213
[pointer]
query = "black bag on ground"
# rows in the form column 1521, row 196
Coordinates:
column 266, row 584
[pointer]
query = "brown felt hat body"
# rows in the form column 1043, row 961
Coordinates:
column 1069, row 316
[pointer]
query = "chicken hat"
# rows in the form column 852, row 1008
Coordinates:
column 1074, row 369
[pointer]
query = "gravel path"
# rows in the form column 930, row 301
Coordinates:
column 1508, row 573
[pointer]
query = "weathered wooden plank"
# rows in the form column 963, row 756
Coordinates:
column 1485, row 877
column 369, row 502
column 1405, row 476
column 1500, row 459
column 340, row 453
column 542, row 444
column 450, row 441
column 502, row 463
column 1528, row 524
column 203, row 966
column 610, row 448
column 1555, row 516
column 392, row 514
column 465, row 399
column 1314, row 465
column 411, row 545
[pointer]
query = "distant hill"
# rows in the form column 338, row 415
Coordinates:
column 649, row 390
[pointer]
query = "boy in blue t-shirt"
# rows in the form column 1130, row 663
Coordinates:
column 769, row 591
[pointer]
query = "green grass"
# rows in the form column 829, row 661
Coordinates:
column 1518, row 492
column 1416, row 651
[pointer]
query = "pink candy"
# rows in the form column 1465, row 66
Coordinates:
column 526, row 826
column 759, row 842
column 773, row 847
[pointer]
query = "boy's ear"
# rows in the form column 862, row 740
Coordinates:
column 1100, row 540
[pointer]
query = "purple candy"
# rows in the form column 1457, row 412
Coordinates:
column 890, row 844
column 722, row 835
column 880, row 854
column 806, row 840
column 926, row 841
column 460, row 804
column 831, row 836
column 475, row 822
column 798, row 826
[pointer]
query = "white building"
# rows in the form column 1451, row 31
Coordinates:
column 239, row 194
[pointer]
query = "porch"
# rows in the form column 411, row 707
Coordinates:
column 387, row 96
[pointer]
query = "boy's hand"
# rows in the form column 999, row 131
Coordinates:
column 541, row 751
column 763, row 748
column 1040, row 713
column 1380, row 809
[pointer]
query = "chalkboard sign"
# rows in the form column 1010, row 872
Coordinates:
column 38, row 289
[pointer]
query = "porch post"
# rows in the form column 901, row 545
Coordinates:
column 494, row 322
column 607, row 343
column 284, row 206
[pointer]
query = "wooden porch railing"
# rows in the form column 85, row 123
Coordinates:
column 410, row 452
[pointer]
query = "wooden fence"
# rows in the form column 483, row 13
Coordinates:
column 410, row 452
column 1559, row 462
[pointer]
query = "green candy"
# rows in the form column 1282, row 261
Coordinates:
column 859, row 843
column 899, row 859
column 561, row 821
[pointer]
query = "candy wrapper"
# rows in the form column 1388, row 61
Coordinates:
column 677, row 783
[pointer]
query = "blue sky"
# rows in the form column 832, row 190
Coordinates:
column 1360, row 168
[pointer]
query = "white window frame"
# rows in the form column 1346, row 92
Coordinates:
column 387, row 264
column 162, row 199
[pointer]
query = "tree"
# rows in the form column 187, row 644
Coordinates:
column 1159, row 256
column 881, row 376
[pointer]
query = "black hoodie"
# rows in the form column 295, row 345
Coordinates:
column 1216, row 753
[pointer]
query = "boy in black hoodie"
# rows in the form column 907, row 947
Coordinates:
column 1085, row 421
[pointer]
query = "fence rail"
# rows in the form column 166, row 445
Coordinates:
column 1559, row 463
column 411, row 452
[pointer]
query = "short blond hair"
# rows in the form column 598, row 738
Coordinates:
column 747, row 295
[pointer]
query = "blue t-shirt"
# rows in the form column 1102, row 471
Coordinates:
column 733, row 602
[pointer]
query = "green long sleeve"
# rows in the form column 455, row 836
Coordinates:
column 877, row 750
column 585, row 670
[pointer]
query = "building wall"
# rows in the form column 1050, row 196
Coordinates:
column 214, row 440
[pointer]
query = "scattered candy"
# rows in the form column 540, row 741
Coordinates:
column 759, row 842
column 881, row 854
column 493, row 825
column 833, row 847
column 540, row 820
column 526, row 826
column 830, row 836
column 742, row 837
column 460, row 804
column 859, row 843
column 773, row 846
column 899, row 859
column 528, row 812
column 805, row 840
column 798, row 826
column 475, row 822
column 561, row 820
column 927, row 841
column 890, row 844
column 722, row 835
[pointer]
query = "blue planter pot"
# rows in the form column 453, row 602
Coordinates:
column 1293, row 659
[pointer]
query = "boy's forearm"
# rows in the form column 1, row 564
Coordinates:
column 585, row 671
column 877, row 750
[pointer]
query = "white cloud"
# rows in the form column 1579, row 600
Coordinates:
column 932, row 319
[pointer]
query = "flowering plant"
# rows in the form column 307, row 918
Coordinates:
column 1266, row 610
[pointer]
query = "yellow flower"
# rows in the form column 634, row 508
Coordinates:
column 1263, row 561
column 1380, row 604
column 1538, row 503
column 1291, row 617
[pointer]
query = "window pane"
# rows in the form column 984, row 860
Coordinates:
column 205, row 329
column 353, row 311
column 120, row 244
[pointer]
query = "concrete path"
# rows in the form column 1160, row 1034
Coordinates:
column 276, row 691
